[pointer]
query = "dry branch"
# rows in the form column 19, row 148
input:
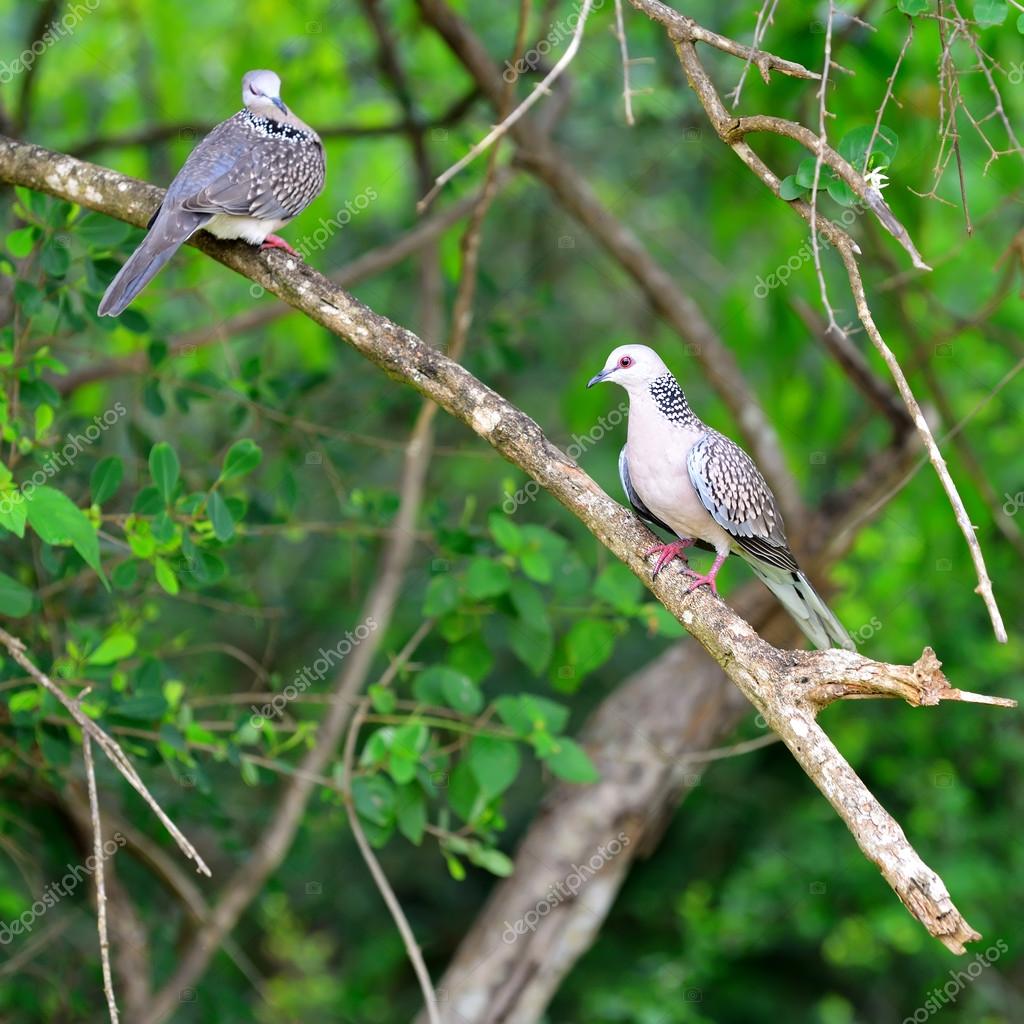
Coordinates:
column 771, row 679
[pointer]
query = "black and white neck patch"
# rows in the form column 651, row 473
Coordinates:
column 275, row 129
column 669, row 398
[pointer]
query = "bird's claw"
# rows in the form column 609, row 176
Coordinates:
column 700, row 580
column 666, row 552
column 276, row 242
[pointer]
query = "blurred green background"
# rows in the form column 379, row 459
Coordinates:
column 757, row 906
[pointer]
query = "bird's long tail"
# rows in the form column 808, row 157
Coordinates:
column 805, row 605
column 168, row 230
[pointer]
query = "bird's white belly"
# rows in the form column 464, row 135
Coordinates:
column 249, row 229
column 663, row 483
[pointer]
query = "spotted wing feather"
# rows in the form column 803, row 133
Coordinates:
column 738, row 498
column 242, row 171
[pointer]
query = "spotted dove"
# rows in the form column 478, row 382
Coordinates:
column 690, row 480
column 250, row 176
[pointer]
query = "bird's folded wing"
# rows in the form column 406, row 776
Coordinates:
column 738, row 498
column 246, row 190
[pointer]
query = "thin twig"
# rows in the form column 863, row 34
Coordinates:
column 818, row 161
column 984, row 587
column 541, row 89
column 412, row 948
column 627, row 92
column 101, row 885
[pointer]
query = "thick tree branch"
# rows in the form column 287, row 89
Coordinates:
column 770, row 678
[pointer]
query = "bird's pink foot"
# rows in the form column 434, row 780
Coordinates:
column 707, row 579
column 666, row 552
column 276, row 242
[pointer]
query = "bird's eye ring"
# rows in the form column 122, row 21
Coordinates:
column 626, row 361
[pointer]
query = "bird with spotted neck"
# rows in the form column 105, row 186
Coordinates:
column 689, row 480
column 249, row 177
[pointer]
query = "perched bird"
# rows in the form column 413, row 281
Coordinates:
column 250, row 176
column 690, row 480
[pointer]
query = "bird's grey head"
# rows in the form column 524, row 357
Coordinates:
column 633, row 367
column 261, row 93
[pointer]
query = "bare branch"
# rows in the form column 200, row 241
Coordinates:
column 101, row 888
column 541, row 89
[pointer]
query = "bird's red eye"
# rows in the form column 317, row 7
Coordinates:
column 626, row 361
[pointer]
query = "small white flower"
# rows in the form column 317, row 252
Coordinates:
column 877, row 179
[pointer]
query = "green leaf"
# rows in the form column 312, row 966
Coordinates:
column 411, row 813
column 527, row 714
column 530, row 605
column 15, row 597
column 148, row 502
column 532, row 644
column 57, row 520
column 842, row 193
column 101, row 232
column 990, row 12
column 491, row 860
column 407, row 743
column 442, row 596
column 374, row 799
column 13, row 512
column 536, row 565
column 1020, row 24
column 242, row 458
column 789, row 188
column 143, row 706
column 164, row 469
column 383, row 699
column 913, row 7
column 853, row 146
column 461, row 693
column 486, row 578
column 804, row 176
column 505, row 533
column 464, row 794
column 619, row 587
column 217, row 510
column 21, row 242
column 494, row 764
column 165, row 576
column 569, row 761
column 105, row 479
column 26, row 700
column 114, row 647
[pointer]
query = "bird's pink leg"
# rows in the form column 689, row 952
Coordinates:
column 276, row 242
column 709, row 579
column 666, row 552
